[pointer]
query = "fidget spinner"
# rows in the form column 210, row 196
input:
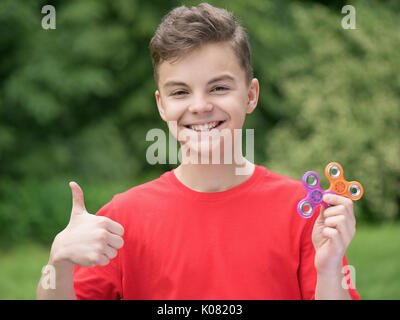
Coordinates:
column 334, row 172
column 352, row 190
column 307, row 206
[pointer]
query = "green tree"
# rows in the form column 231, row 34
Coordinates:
column 76, row 102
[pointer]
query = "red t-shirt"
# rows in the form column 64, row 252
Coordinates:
column 244, row 243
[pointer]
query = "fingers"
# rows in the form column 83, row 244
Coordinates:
column 105, row 237
column 335, row 200
column 104, row 258
column 321, row 216
column 335, row 222
column 78, row 203
column 340, row 224
column 339, row 217
column 115, row 241
column 109, row 238
column 105, row 250
column 101, row 260
column 339, row 206
column 110, row 252
column 110, row 225
column 334, row 236
column 114, row 227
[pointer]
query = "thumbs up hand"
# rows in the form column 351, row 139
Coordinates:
column 88, row 240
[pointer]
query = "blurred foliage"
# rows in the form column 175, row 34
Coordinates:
column 76, row 102
column 341, row 96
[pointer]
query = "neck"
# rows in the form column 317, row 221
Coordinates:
column 214, row 177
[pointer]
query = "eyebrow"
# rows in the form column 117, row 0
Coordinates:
column 219, row 78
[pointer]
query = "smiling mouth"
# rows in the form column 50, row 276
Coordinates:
column 205, row 127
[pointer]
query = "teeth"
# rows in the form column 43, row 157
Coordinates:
column 204, row 127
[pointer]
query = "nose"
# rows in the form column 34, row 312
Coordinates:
column 200, row 105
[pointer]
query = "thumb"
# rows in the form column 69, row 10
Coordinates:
column 78, row 203
column 321, row 218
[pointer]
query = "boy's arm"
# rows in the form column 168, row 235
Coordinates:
column 332, row 233
column 330, row 288
column 63, row 288
column 88, row 240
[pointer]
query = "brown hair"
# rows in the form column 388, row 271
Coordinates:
column 184, row 29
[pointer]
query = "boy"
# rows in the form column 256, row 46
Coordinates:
column 203, row 231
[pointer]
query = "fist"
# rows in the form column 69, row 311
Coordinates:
column 88, row 240
column 332, row 233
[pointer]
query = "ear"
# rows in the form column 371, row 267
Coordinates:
column 252, row 95
column 160, row 105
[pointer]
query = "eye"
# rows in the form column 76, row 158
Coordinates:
column 179, row 93
column 219, row 88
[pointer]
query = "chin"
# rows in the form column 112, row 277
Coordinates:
column 208, row 153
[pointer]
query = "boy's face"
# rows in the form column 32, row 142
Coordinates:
column 206, row 86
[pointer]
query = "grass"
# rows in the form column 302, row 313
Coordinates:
column 20, row 271
column 374, row 253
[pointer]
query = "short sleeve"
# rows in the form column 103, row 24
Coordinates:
column 99, row 282
column 307, row 273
